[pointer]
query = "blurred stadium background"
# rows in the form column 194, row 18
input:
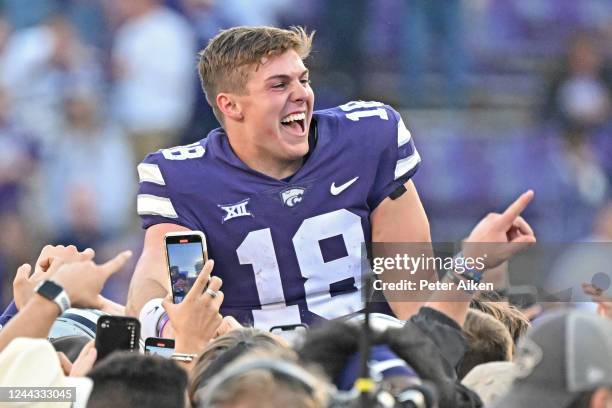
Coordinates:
column 500, row 95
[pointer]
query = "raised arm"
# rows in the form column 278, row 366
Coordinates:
column 403, row 220
column 150, row 279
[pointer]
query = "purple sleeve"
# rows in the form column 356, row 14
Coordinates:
column 398, row 161
column 8, row 314
column 158, row 200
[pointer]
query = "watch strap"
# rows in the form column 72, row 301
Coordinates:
column 61, row 299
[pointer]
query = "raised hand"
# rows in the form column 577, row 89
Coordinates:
column 83, row 281
column 24, row 283
column 196, row 319
column 508, row 231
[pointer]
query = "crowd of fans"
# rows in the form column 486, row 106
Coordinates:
column 495, row 356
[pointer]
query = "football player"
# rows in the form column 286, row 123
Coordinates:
column 286, row 196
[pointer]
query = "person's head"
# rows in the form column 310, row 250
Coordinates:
column 130, row 380
column 227, row 348
column 487, row 340
column 334, row 346
column 514, row 320
column 255, row 80
column 583, row 55
column 564, row 361
column 271, row 379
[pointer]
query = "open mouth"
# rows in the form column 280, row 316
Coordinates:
column 295, row 121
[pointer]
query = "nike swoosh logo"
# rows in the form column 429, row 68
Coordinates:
column 335, row 190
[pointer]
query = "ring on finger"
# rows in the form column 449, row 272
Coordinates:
column 212, row 293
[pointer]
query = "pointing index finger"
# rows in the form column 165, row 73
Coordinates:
column 116, row 263
column 515, row 209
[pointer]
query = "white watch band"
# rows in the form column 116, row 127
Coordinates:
column 62, row 301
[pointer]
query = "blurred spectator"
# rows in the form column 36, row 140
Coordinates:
column 559, row 367
column 580, row 94
column 129, row 380
column 37, row 66
column 511, row 317
column 265, row 379
column 578, row 101
column 430, row 344
column 491, row 380
column 487, row 340
column 86, row 202
column 22, row 17
column 19, row 156
column 433, row 28
column 28, row 362
column 224, row 350
column 154, row 58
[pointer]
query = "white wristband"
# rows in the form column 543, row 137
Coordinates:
column 149, row 316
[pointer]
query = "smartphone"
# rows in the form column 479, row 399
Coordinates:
column 293, row 333
column 115, row 333
column 185, row 255
column 155, row 346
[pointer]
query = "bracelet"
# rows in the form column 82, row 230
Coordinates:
column 161, row 324
column 183, row 357
column 471, row 274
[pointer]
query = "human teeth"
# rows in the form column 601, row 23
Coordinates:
column 293, row 117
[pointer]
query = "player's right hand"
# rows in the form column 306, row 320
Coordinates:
column 497, row 237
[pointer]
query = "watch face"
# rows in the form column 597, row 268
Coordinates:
column 50, row 290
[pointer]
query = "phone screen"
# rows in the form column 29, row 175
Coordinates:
column 116, row 333
column 159, row 351
column 159, row 347
column 185, row 261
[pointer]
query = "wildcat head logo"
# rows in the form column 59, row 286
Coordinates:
column 292, row 196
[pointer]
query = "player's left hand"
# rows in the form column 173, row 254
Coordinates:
column 508, row 231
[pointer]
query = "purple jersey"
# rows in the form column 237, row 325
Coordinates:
column 288, row 251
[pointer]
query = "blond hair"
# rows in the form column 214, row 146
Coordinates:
column 487, row 340
column 223, row 65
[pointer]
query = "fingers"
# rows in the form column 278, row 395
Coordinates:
column 167, row 303
column 64, row 363
column 87, row 255
column 524, row 239
column 217, row 301
column 522, row 225
column 85, row 361
column 515, row 209
column 56, row 263
column 23, row 273
column 596, row 293
column 201, row 281
column 116, row 263
column 215, row 283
